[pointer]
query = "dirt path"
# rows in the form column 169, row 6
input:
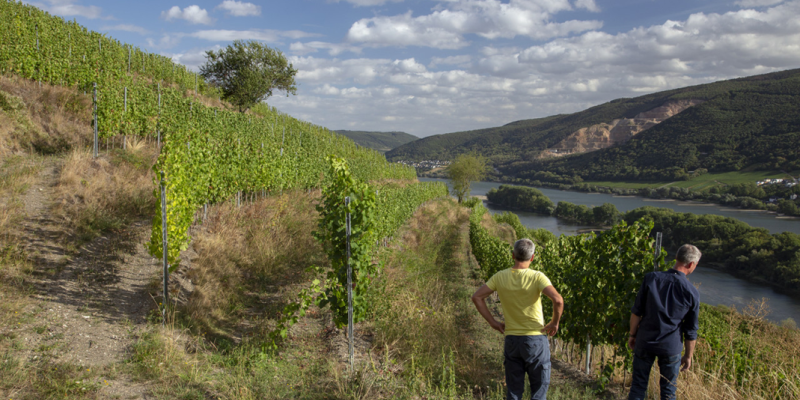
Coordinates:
column 89, row 304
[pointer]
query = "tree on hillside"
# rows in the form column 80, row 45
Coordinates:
column 465, row 169
column 248, row 72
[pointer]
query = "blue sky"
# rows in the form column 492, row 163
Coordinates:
column 435, row 66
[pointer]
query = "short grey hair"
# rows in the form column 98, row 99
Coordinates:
column 523, row 250
column 687, row 254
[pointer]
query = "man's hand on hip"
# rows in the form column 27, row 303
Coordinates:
column 499, row 326
column 551, row 329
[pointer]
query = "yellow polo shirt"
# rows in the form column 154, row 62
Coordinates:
column 520, row 292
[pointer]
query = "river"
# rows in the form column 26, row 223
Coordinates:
column 715, row 287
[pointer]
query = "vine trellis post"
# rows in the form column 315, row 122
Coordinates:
column 349, row 288
column 588, row 355
column 164, row 245
column 94, row 107
column 658, row 250
column 125, row 111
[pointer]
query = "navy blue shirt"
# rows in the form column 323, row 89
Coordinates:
column 669, row 306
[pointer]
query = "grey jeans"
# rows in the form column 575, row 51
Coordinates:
column 527, row 355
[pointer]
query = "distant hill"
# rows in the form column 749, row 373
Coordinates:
column 751, row 122
column 381, row 141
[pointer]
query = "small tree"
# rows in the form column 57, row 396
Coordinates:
column 248, row 72
column 465, row 169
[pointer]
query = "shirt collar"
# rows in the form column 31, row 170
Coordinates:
column 675, row 271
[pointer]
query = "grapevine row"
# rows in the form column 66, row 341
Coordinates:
column 208, row 156
column 597, row 275
column 376, row 211
column 47, row 48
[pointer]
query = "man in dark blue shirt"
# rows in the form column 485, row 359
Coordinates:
column 666, row 310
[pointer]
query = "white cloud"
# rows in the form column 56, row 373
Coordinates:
column 462, row 60
column 265, row 35
column 167, row 41
column 125, row 28
column 333, row 49
column 192, row 14
column 757, row 3
column 497, row 84
column 327, row 90
column 191, row 58
column 240, row 9
column 735, row 43
column 589, row 5
column 492, row 19
column 67, row 8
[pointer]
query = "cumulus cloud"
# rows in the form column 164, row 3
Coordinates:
column 193, row 58
column 497, row 84
column 166, row 41
column 587, row 4
column 240, row 9
column 333, row 49
column 264, row 35
column 126, row 28
column 192, row 14
column 462, row 60
column 491, row 19
column 68, row 8
column 738, row 42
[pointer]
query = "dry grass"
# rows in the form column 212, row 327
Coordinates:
column 502, row 231
column 243, row 252
column 17, row 174
column 47, row 120
column 427, row 314
column 96, row 195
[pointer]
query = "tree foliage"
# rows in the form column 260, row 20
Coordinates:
column 464, row 170
column 248, row 72
column 521, row 198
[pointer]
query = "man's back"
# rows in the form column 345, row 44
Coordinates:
column 520, row 293
column 668, row 304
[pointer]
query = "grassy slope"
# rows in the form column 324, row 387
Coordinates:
column 381, row 141
column 425, row 339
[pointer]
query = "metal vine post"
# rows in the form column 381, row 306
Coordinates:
column 349, row 287
column 164, row 245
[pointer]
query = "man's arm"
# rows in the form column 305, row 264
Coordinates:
column 689, row 327
column 479, row 298
column 635, row 319
column 558, row 309
column 686, row 360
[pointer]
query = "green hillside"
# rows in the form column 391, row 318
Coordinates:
column 751, row 123
column 381, row 141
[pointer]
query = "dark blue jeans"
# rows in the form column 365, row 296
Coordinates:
column 527, row 355
column 668, row 367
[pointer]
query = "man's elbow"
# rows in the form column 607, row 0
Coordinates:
column 558, row 301
column 476, row 299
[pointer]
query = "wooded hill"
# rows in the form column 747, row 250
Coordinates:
column 751, row 123
column 381, row 141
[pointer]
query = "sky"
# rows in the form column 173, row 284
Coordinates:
column 429, row 67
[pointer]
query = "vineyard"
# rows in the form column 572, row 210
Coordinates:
column 375, row 213
column 598, row 277
column 209, row 154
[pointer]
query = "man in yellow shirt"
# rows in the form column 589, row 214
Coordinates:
column 526, row 347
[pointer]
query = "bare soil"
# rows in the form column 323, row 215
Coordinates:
column 88, row 304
